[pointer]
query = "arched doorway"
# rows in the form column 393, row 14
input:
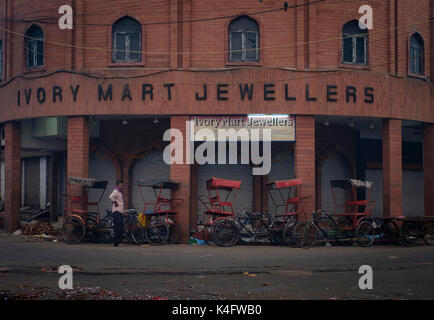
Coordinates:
column 101, row 167
column 150, row 169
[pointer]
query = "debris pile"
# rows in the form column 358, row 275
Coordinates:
column 39, row 228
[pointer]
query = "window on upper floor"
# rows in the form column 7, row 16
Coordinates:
column 127, row 40
column 354, row 44
column 34, row 45
column 416, row 54
column 244, row 40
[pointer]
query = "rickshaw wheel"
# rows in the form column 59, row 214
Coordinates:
column 428, row 232
column 288, row 233
column 410, row 233
column 157, row 233
column 73, row 230
column 224, row 233
column 276, row 236
column 175, row 233
column 305, row 234
column 365, row 234
column 137, row 233
column 390, row 233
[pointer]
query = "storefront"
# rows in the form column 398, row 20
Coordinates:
column 89, row 113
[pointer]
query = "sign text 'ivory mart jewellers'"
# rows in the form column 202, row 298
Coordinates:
column 206, row 92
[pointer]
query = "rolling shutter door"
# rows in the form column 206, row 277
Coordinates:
column 240, row 172
column 282, row 168
column 334, row 168
column 102, row 169
column 32, row 182
column 151, row 168
column 412, row 193
column 3, row 180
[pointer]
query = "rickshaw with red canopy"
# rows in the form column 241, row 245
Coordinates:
column 218, row 202
column 160, row 214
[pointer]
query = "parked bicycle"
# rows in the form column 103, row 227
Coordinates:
column 324, row 226
column 247, row 227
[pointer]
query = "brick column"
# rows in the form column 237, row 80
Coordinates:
column 304, row 161
column 78, row 153
column 194, row 194
column 428, row 168
column 12, row 176
column 392, row 168
column 182, row 173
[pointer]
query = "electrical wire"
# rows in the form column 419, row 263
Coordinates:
column 281, row 8
column 208, row 52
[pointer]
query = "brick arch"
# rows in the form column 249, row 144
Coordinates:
column 106, row 150
column 127, row 171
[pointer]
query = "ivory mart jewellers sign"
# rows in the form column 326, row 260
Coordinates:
column 282, row 127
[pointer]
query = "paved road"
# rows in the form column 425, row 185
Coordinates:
column 210, row 272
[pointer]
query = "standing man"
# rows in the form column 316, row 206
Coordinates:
column 117, row 199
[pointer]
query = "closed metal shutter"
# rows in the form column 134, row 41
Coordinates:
column 32, row 182
column 3, row 180
column 240, row 172
column 43, row 182
column 151, row 168
column 282, row 168
column 376, row 177
column 412, row 193
column 102, row 169
column 334, row 168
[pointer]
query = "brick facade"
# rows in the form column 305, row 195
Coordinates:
column 78, row 153
column 12, row 156
column 392, row 168
column 304, row 160
column 301, row 55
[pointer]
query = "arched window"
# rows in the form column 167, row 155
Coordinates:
column 244, row 40
column 416, row 54
column 34, row 44
column 127, row 40
column 354, row 43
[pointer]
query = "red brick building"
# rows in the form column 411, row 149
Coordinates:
column 96, row 100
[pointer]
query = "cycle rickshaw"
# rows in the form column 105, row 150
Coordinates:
column 218, row 203
column 82, row 219
column 159, row 222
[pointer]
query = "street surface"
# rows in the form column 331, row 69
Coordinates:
column 208, row 272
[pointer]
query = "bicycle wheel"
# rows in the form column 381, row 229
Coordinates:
column 73, row 230
column 276, row 237
column 365, row 234
column 428, row 232
column 137, row 233
column 288, row 233
column 157, row 233
column 175, row 233
column 224, row 233
column 390, row 233
column 305, row 234
column 410, row 233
